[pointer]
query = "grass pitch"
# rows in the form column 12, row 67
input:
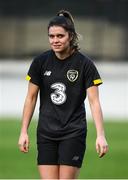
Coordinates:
column 16, row 165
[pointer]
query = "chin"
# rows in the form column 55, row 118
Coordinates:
column 58, row 50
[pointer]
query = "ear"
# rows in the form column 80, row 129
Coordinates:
column 71, row 36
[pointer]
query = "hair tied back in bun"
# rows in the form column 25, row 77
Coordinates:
column 66, row 14
column 61, row 14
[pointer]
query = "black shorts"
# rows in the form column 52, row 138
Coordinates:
column 63, row 152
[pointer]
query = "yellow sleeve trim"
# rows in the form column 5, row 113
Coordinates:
column 97, row 81
column 28, row 78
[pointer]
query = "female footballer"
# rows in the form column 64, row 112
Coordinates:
column 64, row 77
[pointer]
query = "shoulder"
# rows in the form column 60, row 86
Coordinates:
column 42, row 57
column 39, row 61
column 86, row 60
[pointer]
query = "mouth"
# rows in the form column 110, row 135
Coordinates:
column 56, row 46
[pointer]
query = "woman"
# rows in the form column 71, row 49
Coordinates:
column 64, row 77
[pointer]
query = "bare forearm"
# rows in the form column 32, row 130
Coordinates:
column 98, row 118
column 28, row 110
column 101, row 143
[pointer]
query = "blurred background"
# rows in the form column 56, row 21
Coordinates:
column 103, row 25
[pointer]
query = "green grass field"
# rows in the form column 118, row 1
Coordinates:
column 16, row 165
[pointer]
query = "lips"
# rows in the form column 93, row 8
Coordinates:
column 56, row 46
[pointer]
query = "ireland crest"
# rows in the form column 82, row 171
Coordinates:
column 72, row 75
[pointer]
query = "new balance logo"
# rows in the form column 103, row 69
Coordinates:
column 47, row 73
column 75, row 158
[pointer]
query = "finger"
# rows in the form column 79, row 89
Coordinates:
column 103, row 151
column 101, row 155
column 27, row 147
column 106, row 150
column 97, row 148
column 23, row 148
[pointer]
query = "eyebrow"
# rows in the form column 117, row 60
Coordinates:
column 62, row 34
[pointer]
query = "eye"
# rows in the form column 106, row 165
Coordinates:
column 60, row 36
column 51, row 36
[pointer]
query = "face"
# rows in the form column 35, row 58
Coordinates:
column 59, row 39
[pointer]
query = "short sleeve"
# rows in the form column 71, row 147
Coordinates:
column 34, row 72
column 92, row 76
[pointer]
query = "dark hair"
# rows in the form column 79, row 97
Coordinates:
column 65, row 20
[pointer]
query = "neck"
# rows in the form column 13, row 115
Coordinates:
column 65, row 54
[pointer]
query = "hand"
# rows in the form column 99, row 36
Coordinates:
column 101, row 146
column 23, row 142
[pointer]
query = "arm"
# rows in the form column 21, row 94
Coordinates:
column 28, row 110
column 93, row 97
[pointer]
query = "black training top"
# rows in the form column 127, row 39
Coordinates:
column 63, row 85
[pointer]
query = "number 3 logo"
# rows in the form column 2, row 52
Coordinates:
column 58, row 97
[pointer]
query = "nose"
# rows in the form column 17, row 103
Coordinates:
column 56, row 39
